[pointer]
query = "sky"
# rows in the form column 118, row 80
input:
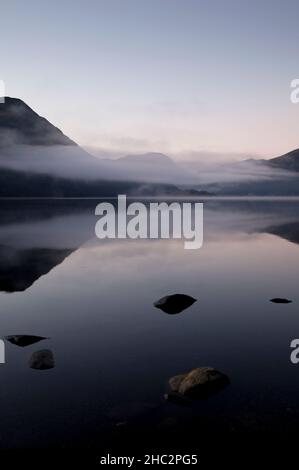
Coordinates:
column 190, row 78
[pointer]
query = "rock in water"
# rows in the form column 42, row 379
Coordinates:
column 278, row 300
column 24, row 340
column 42, row 360
column 199, row 383
column 175, row 303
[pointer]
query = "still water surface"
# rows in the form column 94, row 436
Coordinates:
column 114, row 352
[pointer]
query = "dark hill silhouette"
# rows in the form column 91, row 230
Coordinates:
column 288, row 161
column 19, row 124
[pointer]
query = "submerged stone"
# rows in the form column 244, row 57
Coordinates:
column 175, row 303
column 24, row 340
column 42, row 360
column 199, row 383
column 278, row 300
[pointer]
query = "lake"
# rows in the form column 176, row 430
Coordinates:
column 115, row 352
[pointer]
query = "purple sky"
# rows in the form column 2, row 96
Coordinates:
column 184, row 77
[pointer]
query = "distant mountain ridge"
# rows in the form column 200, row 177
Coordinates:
column 148, row 158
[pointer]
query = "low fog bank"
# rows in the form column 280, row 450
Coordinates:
column 31, row 145
column 245, row 171
column 189, row 168
column 72, row 162
column 56, row 160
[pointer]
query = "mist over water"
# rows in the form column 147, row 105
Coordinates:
column 73, row 163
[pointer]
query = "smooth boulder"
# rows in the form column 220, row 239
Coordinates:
column 278, row 300
column 199, row 383
column 24, row 340
column 42, row 360
column 175, row 303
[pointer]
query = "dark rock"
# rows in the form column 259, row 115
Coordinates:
column 278, row 300
column 42, row 360
column 175, row 303
column 24, row 340
column 199, row 383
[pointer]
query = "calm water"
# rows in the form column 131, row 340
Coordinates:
column 114, row 352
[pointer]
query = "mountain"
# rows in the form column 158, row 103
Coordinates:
column 29, row 142
column 258, row 177
column 38, row 160
column 151, row 167
column 19, row 124
column 288, row 161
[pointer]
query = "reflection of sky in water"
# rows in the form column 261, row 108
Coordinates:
column 112, row 347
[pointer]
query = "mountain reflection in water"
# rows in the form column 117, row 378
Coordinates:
column 41, row 235
column 38, row 238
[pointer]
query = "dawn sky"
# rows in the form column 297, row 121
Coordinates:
column 184, row 77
